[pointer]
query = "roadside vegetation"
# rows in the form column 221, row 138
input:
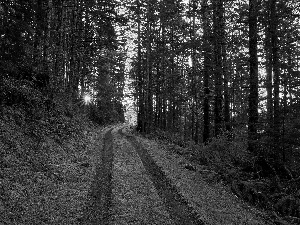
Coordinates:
column 45, row 164
column 254, row 179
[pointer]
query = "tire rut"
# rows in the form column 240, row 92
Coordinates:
column 98, row 209
column 179, row 210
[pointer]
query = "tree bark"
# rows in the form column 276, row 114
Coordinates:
column 149, row 72
column 276, row 72
column 225, row 71
column 194, row 76
column 269, row 76
column 217, row 18
column 206, row 52
column 253, row 79
column 140, row 114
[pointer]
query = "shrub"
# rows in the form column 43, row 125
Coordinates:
column 225, row 151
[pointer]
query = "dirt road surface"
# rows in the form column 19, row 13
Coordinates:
column 139, row 182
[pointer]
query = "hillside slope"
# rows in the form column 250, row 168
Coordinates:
column 46, row 167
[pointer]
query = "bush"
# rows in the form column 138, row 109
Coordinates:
column 224, row 151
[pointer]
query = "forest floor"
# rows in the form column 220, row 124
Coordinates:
column 109, row 176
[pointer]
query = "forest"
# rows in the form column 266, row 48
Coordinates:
column 220, row 78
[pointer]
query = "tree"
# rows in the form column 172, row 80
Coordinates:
column 149, row 96
column 225, row 70
column 253, row 78
column 194, row 55
column 218, row 70
column 268, row 65
column 139, row 78
column 57, row 44
column 276, row 70
column 207, row 61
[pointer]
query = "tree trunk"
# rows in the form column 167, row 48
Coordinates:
column 194, row 76
column 149, row 72
column 253, row 92
column 206, row 52
column 225, row 72
column 140, row 114
column 217, row 18
column 269, row 77
column 276, row 72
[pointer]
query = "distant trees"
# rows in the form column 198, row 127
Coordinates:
column 73, row 43
column 280, row 47
column 205, row 68
column 200, row 68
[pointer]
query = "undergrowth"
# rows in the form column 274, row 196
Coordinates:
column 45, row 165
column 249, row 176
column 224, row 152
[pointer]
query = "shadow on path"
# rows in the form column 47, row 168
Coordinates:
column 98, row 209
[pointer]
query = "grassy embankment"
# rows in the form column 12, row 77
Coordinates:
column 46, row 164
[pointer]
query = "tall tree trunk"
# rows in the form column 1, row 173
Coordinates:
column 225, row 70
column 194, row 75
column 253, row 92
column 163, row 91
column 217, row 18
column 269, row 76
column 206, row 52
column 140, row 115
column 276, row 72
column 149, row 72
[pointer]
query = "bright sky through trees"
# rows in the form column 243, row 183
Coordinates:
column 87, row 99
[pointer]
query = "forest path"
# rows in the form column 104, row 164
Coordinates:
column 137, row 182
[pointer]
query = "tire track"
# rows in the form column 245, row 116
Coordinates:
column 179, row 210
column 98, row 209
column 135, row 199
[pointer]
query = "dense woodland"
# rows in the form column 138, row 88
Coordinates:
column 200, row 71
column 60, row 51
column 206, row 67
column 216, row 71
column 203, row 68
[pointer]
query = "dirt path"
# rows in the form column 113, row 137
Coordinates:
column 177, row 207
column 136, row 200
column 138, row 183
column 97, row 211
